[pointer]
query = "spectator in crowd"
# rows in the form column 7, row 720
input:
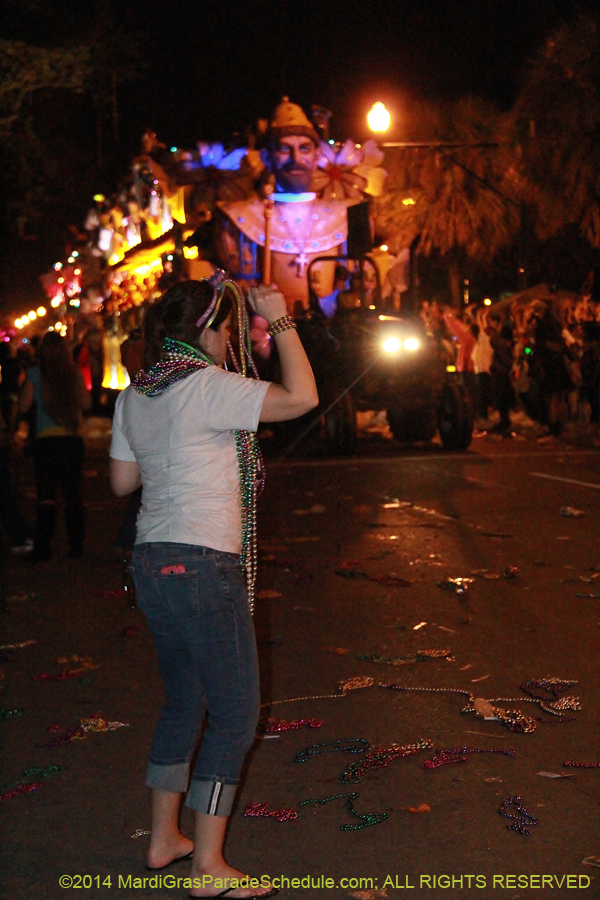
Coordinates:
column 89, row 356
column 10, row 514
column 549, row 370
column 482, row 357
column 501, row 372
column 329, row 304
column 590, row 370
column 462, row 333
column 57, row 389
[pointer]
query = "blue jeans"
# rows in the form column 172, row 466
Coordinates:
column 206, row 648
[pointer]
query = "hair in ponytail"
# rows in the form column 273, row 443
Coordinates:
column 175, row 316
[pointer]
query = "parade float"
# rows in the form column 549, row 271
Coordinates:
column 184, row 212
column 291, row 208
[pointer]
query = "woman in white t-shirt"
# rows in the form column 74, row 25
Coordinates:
column 185, row 430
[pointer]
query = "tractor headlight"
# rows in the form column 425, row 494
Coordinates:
column 411, row 344
column 392, row 345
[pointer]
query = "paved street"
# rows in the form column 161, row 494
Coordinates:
column 353, row 552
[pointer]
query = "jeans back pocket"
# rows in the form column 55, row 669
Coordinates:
column 168, row 596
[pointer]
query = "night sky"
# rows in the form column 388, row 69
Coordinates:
column 214, row 67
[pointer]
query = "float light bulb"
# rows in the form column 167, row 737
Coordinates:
column 41, row 310
column 379, row 118
column 32, row 315
column 411, row 344
column 487, row 302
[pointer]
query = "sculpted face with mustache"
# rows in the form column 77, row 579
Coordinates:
column 294, row 159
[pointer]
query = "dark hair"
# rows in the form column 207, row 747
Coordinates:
column 60, row 389
column 175, row 316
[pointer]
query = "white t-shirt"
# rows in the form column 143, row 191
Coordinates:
column 483, row 354
column 184, row 444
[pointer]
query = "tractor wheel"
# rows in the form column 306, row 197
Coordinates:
column 455, row 418
column 340, row 426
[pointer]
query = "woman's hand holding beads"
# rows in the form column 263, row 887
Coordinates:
column 267, row 302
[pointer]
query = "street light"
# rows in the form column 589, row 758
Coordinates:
column 378, row 118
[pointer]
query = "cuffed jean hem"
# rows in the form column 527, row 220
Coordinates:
column 215, row 798
column 174, row 778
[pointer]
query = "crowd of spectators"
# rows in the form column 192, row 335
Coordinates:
column 540, row 356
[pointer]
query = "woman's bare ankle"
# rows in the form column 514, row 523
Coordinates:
column 162, row 851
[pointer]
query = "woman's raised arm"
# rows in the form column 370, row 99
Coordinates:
column 297, row 393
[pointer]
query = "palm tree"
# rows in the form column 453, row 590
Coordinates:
column 451, row 199
column 556, row 131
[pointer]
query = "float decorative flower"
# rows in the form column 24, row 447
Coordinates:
column 350, row 171
column 214, row 155
column 221, row 176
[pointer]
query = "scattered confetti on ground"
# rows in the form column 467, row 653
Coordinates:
column 17, row 646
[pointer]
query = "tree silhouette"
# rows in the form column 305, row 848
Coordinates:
column 556, row 131
column 48, row 164
column 25, row 69
column 454, row 200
